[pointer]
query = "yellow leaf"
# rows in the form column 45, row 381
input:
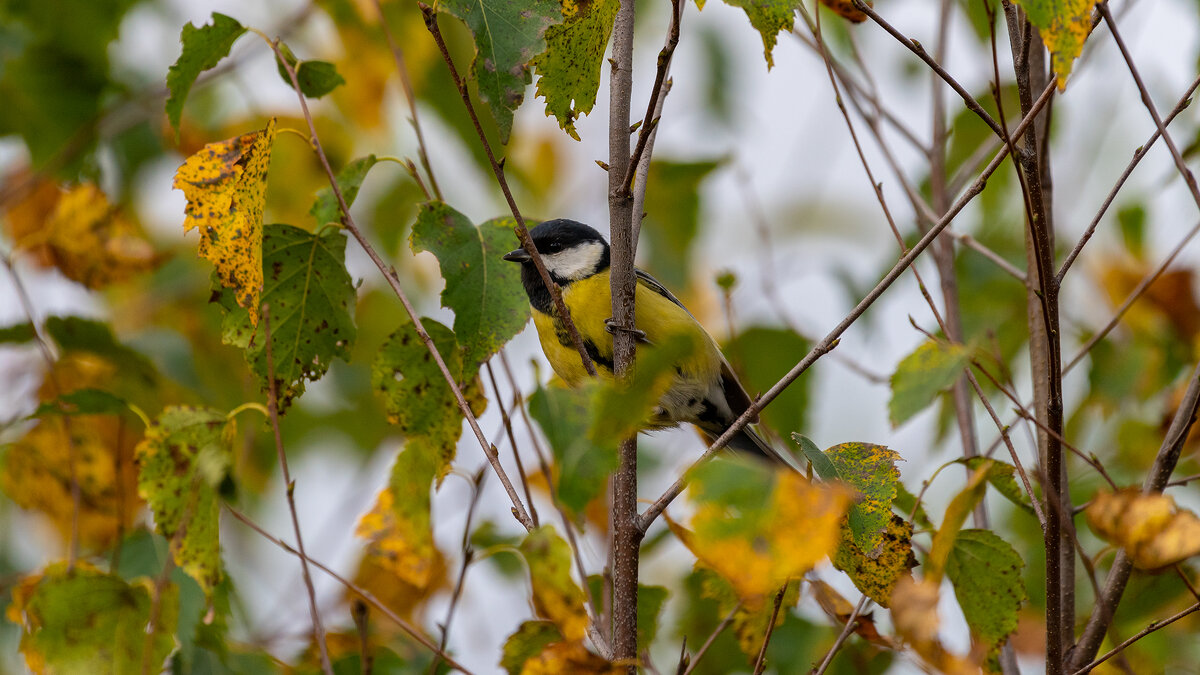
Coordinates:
column 758, row 550
column 36, row 471
column 395, row 545
column 847, row 10
column 555, row 596
column 376, row 576
column 1151, row 528
column 561, row 658
column 876, row 577
column 914, row 615
column 225, row 185
column 1063, row 25
column 956, row 514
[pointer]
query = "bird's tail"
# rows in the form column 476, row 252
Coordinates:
column 749, row 442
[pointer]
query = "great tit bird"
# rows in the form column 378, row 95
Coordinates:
column 704, row 390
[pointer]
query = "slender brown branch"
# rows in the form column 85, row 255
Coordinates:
column 916, row 48
column 358, row 590
column 512, row 440
column 712, row 637
column 1133, row 297
column 626, row 537
column 393, row 281
column 1154, row 625
column 831, row 339
column 1188, row 177
column 468, row 554
column 641, row 176
column 1138, row 154
column 72, row 452
column 318, row 629
column 851, row 622
column 761, row 661
column 1156, row 480
column 657, row 92
column 564, row 312
column 410, row 95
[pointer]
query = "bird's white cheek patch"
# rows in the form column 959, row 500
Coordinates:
column 576, row 263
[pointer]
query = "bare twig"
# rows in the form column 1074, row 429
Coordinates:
column 512, row 439
column 468, row 554
column 712, row 638
column 851, row 622
column 564, row 312
column 410, row 95
column 761, row 661
column 290, row 488
column 831, row 339
column 1139, row 153
column 657, row 92
column 393, row 281
column 362, row 592
column 1154, row 625
column 48, row 358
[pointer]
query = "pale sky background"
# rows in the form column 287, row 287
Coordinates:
column 792, row 147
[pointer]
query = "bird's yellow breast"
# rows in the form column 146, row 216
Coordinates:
column 590, row 302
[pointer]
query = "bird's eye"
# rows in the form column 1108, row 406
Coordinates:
column 553, row 247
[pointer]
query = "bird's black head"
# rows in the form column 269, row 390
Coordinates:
column 570, row 250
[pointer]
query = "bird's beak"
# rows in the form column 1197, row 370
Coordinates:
column 518, row 256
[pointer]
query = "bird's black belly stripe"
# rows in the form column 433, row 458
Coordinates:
column 564, row 339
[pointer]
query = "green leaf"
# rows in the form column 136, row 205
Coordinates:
column 569, row 69
column 74, row 333
column 183, row 459
column 750, row 621
column 316, row 78
column 769, row 18
column 673, row 200
column 311, row 300
column 1002, row 477
column 986, row 573
column 17, row 334
column 86, row 401
column 203, row 48
column 650, row 601
column 820, row 461
column 921, row 375
column 485, row 292
column 555, row 595
column 508, row 34
column 531, row 638
column 1132, row 219
column 876, row 576
column 871, row 470
column 415, row 393
column 583, row 465
column 761, row 356
column 87, row 621
column 325, row 209
column 620, row 410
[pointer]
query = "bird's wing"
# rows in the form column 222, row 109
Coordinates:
column 644, row 278
column 735, row 394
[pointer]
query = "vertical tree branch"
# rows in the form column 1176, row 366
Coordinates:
column 1028, row 55
column 626, row 536
column 290, row 487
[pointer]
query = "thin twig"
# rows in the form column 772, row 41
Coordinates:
column 290, row 488
column 761, row 661
column 393, row 281
column 564, row 313
column 410, row 95
column 468, row 554
column 1138, row 154
column 1154, row 625
column 48, row 358
column 512, row 439
column 657, row 92
column 362, row 592
column 851, row 622
column 712, row 638
column 831, row 339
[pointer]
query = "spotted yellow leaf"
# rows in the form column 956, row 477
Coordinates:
column 1064, row 26
column 225, row 185
column 399, row 526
